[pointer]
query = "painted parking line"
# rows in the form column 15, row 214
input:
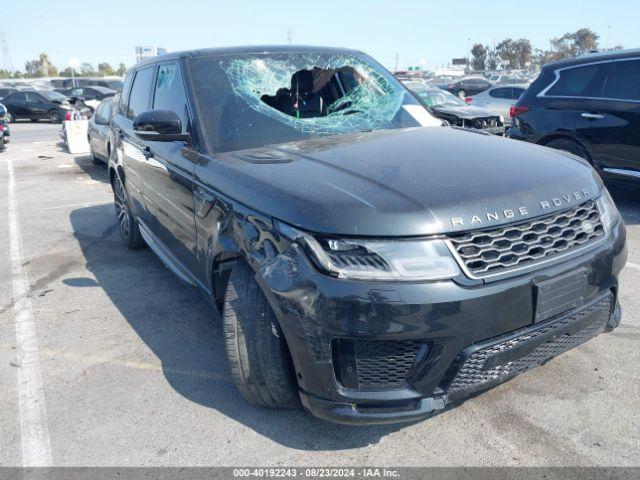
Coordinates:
column 34, row 431
column 634, row 266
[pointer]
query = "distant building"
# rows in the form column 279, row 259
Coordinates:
column 148, row 52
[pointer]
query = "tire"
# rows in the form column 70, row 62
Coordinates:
column 257, row 352
column 462, row 94
column 127, row 224
column 54, row 116
column 569, row 146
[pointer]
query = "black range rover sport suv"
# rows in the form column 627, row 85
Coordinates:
column 369, row 264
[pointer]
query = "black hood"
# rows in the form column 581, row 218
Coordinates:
column 407, row 182
column 467, row 112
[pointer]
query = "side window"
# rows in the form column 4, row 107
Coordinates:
column 170, row 93
column 516, row 93
column 499, row 92
column 33, row 98
column 140, row 93
column 124, row 97
column 623, row 81
column 579, row 82
column 21, row 97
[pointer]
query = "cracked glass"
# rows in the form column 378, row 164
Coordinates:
column 253, row 100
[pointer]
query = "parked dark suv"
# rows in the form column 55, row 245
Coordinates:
column 589, row 106
column 37, row 105
column 366, row 267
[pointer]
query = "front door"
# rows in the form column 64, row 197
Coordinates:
column 168, row 174
column 36, row 106
column 131, row 150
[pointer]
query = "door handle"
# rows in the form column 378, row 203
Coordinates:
column 592, row 116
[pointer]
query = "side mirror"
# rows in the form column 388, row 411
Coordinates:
column 159, row 126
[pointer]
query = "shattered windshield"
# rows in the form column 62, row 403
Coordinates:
column 247, row 101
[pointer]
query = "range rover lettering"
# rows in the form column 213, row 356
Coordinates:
column 369, row 264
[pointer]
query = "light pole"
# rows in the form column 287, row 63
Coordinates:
column 73, row 63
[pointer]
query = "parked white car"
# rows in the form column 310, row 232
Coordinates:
column 499, row 99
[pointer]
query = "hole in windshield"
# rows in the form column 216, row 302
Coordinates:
column 317, row 94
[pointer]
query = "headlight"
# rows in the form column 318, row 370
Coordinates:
column 608, row 210
column 395, row 260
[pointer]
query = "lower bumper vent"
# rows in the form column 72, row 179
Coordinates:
column 375, row 364
column 488, row 363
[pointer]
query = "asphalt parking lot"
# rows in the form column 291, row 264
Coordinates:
column 133, row 370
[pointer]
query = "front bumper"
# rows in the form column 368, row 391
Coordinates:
column 443, row 341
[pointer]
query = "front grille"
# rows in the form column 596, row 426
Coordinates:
column 527, row 348
column 482, row 123
column 491, row 251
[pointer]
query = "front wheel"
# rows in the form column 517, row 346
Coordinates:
column 257, row 352
column 128, row 226
column 54, row 116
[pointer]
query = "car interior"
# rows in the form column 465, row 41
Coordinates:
column 316, row 93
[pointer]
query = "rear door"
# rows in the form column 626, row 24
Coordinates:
column 168, row 173
column 568, row 101
column 615, row 122
column 17, row 105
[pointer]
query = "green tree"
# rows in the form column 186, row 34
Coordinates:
column 570, row 45
column 66, row 72
column 40, row 67
column 585, row 40
column 46, row 67
column 105, row 69
column 479, row 57
column 86, row 70
column 524, row 52
column 32, row 69
column 121, row 69
column 507, row 51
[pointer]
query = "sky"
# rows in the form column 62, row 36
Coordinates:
column 424, row 31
